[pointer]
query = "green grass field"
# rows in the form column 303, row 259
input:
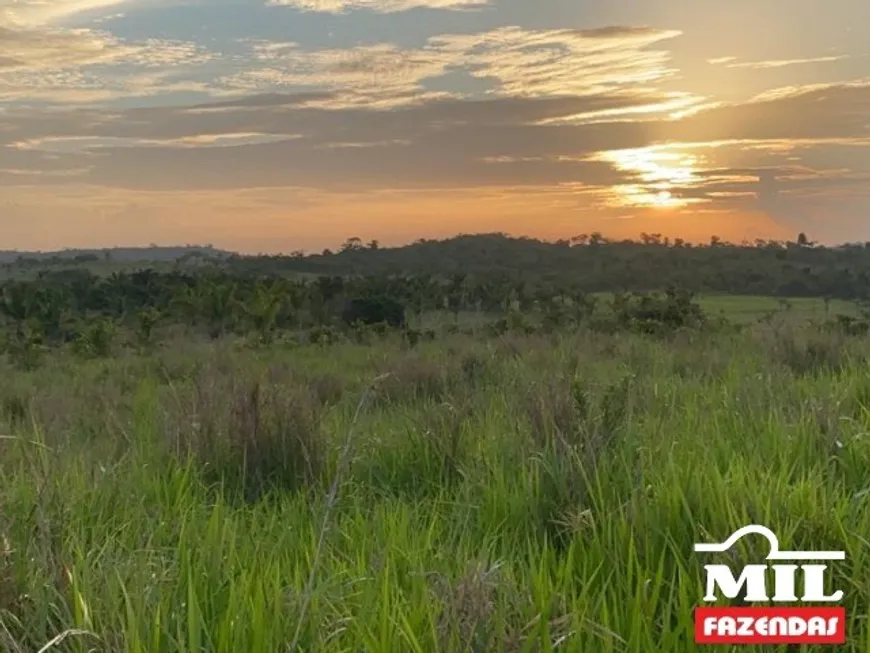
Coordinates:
column 531, row 493
column 746, row 308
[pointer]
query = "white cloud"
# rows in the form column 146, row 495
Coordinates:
column 41, row 60
column 518, row 62
column 37, row 13
column 382, row 74
column 562, row 62
column 30, row 39
column 77, row 144
column 380, row 6
column 38, row 50
column 31, row 49
column 732, row 62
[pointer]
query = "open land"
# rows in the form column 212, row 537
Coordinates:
column 230, row 460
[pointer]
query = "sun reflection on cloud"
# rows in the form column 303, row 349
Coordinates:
column 662, row 172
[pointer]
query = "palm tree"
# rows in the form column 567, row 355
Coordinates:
column 263, row 307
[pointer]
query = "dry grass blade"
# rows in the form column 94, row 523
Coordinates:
column 20, row 439
column 72, row 632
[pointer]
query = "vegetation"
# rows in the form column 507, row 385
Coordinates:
column 595, row 264
column 590, row 262
column 236, row 458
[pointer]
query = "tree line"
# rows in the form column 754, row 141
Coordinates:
column 798, row 268
column 78, row 307
column 516, row 281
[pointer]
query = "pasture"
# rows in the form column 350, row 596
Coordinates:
column 745, row 309
column 521, row 492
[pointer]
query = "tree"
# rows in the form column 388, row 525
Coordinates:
column 803, row 241
column 263, row 308
column 352, row 244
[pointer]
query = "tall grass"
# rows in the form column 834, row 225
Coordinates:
column 524, row 494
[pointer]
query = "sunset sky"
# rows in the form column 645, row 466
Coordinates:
column 275, row 125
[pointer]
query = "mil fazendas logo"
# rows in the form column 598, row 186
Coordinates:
column 796, row 577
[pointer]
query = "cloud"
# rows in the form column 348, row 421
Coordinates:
column 580, row 112
column 732, row 62
column 274, row 141
column 503, row 123
column 413, row 147
column 509, row 60
column 481, row 127
column 379, row 6
column 87, row 65
column 152, row 68
column 23, row 14
column 562, row 62
column 35, row 49
column 382, row 74
column 793, row 113
column 42, row 61
column 87, row 144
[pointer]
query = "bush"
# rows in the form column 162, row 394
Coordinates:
column 95, row 339
column 374, row 310
column 657, row 314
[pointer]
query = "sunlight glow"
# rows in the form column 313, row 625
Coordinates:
column 662, row 171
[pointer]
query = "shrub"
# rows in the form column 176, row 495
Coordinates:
column 95, row 338
column 656, row 314
column 374, row 310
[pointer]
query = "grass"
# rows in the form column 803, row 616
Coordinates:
column 746, row 309
column 516, row 494
column 749, row 308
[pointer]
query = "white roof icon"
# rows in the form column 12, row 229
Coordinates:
column 775, row 553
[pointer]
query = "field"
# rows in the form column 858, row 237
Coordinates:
column 748, row 309
column 481, row 444
column 519, row 492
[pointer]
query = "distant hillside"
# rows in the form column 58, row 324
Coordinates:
column 119, row 254
column 588, row 263
column 594, row 264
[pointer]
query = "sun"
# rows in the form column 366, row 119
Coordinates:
column 663, row 198
column 662, row 173
column 634, row 195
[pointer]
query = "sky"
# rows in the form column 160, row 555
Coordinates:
column 279, row 125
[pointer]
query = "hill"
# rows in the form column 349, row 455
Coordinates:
column 120, row 254
column 594, row 264
column 588, row 263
